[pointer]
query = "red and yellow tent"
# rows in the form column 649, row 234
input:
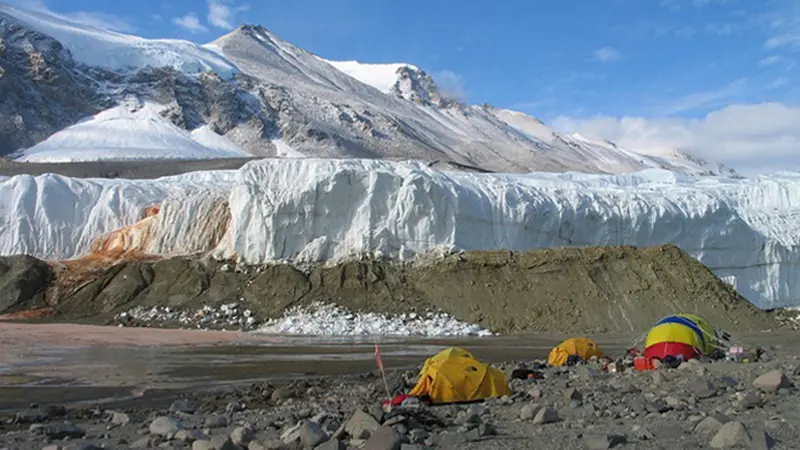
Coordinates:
column 685, row 336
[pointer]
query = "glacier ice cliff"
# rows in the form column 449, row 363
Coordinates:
column 745, row 230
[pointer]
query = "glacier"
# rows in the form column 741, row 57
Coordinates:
column 326, row 210
column 130, row 131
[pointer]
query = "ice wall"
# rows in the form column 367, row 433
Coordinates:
column 746, row 231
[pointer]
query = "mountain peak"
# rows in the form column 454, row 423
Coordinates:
column 417, row 86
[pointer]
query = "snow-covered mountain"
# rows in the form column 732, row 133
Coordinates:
column 268, row 98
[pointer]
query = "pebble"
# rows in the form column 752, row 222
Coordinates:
column 63, row 430
column 604, row 442
column 120, row 418
column 772, row 381
column 311, row 434
column 546, row 415
column 384, row 438
column 361, row 425
column 703, row 389
column 528, row 412
column 242, row 436
column 281, row 394
column 183, row 406
column 215, row 421
column 165, row 426
column 643, row 434
column 709, row 425
column 732, row 434
column 761, row 440
column 332, row 444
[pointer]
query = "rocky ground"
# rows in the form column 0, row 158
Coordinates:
column 697, row 405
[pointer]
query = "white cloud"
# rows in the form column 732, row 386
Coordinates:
column 607, row 54
column 450, row 84
column 783, row 25
column 770, row 60
column 702, row 99
column 677, row 5
column 751, row 138
column 221, row 15
column 190, row 22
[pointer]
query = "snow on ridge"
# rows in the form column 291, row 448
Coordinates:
column 381, row 76
column 130, row 131
column 332, row 320
column 325, row 210
column 118, row 51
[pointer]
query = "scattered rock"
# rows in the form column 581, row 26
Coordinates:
column 216, row 421
column 750, row 400
column 709, row 425
column 144, row 442
column 535, row 393
column 204, row 445
column 657, row 406
column 642, row 433
column 761, row 440
column 165, row 427
column 384, row 438
column 545, row 415
column 54, row 411
column 451, row 439
column 311, row 434
column 242, row 436
column 529, row 411
column 183, row 406
column 573, row 396
column 120, row 418
column 703, row 389
column 604, row 442
column 732, row 434
column 772, row 381
column 332, row 444
column 64, row 430
column 281, row 394
column 361, row 425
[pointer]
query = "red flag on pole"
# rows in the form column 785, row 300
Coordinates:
column 378, row 356
column 383, row 374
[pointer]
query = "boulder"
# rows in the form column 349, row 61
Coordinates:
column 772, row 381
column 23, row 283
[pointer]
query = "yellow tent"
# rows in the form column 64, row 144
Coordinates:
column 583, row 347
column 454, row 375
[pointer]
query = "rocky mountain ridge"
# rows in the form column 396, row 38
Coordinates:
column 271, row 99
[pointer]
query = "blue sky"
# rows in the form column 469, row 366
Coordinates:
column 636, row 71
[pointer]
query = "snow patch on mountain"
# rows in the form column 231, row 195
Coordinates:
column 116, row 51
column 325, row 210
column 284, row 150
column 128, row 132
column 209, row 138
column 382, row 77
